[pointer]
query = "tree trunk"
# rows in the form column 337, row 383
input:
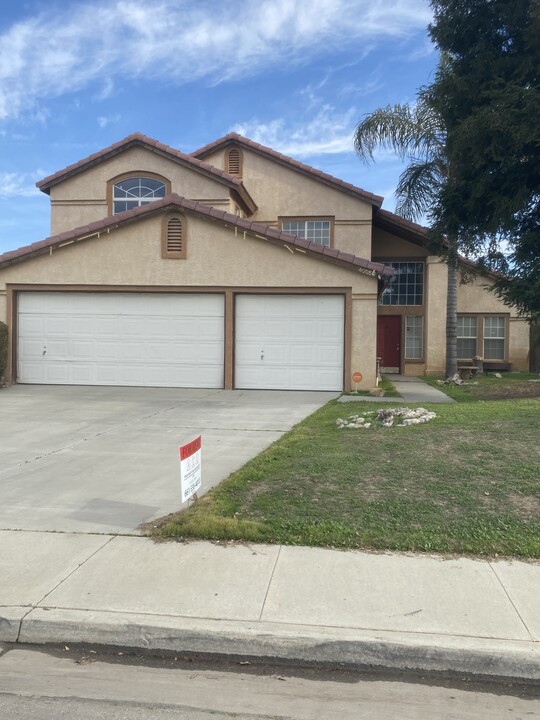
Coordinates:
column 451, row 310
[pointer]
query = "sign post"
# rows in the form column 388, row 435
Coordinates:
column 190, row 468
column 356, row 378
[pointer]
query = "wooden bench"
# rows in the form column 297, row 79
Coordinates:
column 496, row 366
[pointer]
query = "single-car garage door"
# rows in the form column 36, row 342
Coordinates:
column 289, row 342
column 152, row 339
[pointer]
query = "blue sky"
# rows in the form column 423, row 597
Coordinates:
column 293, row 74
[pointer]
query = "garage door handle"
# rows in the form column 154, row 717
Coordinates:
column 44, row 350
column 262, row 354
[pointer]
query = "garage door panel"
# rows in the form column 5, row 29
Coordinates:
column 84, row 350
column 121, row 339
column 289, row 341
column 33, row 349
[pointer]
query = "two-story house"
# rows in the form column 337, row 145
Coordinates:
column 235, row 267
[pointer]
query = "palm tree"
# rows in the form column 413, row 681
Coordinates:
column 417, row 135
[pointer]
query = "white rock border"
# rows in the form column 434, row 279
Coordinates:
column 387, row 417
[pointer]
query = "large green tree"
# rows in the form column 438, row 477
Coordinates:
column 418, row 136
column 487, row 93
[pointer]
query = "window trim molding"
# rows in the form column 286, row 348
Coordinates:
column 314, row 218
column 167, row 254
column 132, row 174
column 228, row 151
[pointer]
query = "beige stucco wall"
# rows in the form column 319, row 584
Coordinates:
column 435, row 322
column 475, row 296
column 390, row 246
column 281, row 191
column 131, row 255
column 83, row 198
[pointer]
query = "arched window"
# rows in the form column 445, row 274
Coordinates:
column 135, row 191
column 233, row 161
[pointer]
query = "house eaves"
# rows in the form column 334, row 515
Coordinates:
column 176, row 202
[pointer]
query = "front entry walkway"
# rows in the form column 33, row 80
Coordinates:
column 411, row 389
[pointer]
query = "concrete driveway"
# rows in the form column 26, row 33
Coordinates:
column 95, row 459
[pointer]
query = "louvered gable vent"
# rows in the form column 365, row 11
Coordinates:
column 234, row 162
column 174, row 238
column 175, row 242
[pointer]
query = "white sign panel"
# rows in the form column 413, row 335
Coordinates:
column 190, row 468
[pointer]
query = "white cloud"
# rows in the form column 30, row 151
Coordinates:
column 328, row 131
column 17, row 184
column 103, row 120
column 178, row 41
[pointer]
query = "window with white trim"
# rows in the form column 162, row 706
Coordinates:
column 414, row 337
column 467, row 335
column 494, row 337
column 406, row 287
column 135, row 191
column 317, row 231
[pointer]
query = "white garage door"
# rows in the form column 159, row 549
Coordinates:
column 152, row 339
column 289, row 342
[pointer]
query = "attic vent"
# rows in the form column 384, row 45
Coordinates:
column 173, row 239
column 234, row 162
column 174, row 236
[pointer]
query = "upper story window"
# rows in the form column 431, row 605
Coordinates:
column 313, row 229
column 135, row 191
column 407, row 285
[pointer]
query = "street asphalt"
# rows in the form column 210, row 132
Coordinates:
column 74, row 570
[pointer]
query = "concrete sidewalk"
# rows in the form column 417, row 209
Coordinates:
column 288, row 603
column 411, row 389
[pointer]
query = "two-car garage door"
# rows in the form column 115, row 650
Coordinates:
column 152, row 339
column 178, row 340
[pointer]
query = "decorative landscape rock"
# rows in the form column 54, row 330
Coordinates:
column 388, row 417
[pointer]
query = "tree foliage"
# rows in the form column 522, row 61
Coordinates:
column 487, row 93
column 416, row 133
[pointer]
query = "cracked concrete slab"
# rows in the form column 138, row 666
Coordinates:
column 33, row 564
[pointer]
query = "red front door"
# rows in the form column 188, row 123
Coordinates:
column 388, row 342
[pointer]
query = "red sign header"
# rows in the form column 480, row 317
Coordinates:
column 190, row 448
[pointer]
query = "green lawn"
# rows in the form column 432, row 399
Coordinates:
column 489, row 387
column 466, row 482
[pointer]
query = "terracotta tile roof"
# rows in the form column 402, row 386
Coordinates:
column 176, row 201
column 148, row 142
column 291, row 162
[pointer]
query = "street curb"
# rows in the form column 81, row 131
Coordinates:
column 296, row 644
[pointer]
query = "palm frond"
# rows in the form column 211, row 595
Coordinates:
column 404, row 129
column 417, row 188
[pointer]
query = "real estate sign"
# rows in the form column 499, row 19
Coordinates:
column 190, row 468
